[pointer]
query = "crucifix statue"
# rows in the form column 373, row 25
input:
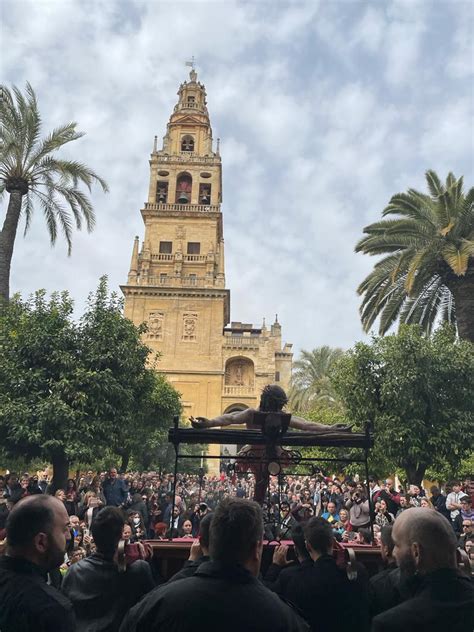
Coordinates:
column 272, row 400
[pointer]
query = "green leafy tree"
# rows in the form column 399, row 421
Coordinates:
column 70, row 391
column 418, row 393
column 427, row 273
column 145, row 440
column 311, row 382
column 325, row 412
column 143, row 419
column 30, row 173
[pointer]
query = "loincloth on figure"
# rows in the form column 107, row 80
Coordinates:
column 256, row 460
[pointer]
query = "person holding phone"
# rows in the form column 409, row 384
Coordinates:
column 100, row 593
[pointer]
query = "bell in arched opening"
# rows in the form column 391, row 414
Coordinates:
column 183, row 198
column 184, row 185
column 162, row 192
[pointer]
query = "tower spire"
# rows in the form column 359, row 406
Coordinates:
column 132, row 275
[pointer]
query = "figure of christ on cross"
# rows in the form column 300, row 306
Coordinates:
column 272, row 400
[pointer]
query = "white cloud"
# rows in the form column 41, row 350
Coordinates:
column 460, row 65
column 369, row 30
column 448, row 131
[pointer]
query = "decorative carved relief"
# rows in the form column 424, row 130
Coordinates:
column 155, row 325
column 180, row 232
column 239, row 372
column 189, row 326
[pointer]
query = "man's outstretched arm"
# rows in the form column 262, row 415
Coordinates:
column 228, row 419
column 313, row 426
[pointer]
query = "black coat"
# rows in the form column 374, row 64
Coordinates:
column 101, row 595
column 384, row 590
column 28, row 603
column 216, row 598
column 442, row 601
column 327, row 599
column 278, row 578
column 189, row 568
column 439, row 503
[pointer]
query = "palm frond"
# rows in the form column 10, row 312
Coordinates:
column 457, row 256
column 54, row 141
column 422, row 258
column 54, row 182
column 430, row 236
column 310, row 381
column 434, row 183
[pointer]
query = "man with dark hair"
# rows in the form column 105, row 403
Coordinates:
column 404, row 504
column 439, row 502
column 466, row 513
column 323, row 592
column 441, row 597
column 384, row 588
column 37, row 534
column 199, row 552
column 225, row 592
column 100, row 593
column 281, row 570
column 272, row 400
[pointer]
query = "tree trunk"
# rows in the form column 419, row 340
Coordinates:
column 60, row 471
column 415, row 473
column 147, row 459
column 462, row 289
column 125, row 454
column 7, row 241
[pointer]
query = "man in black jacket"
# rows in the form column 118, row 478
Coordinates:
column 322, row 592
column 441, row 597
column 99, row 592
column 223, row 593
column 281, row 570
column 439, row 502
column 384, row 588
column 199, row 551
column 37, row 533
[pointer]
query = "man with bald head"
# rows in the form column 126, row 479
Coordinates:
column 442, row 598
column 38, row 530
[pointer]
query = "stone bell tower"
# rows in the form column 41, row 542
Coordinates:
column 176, row 282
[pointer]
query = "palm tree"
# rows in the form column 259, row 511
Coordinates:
column 427, row 275
column 311, row 382
column 30, row 172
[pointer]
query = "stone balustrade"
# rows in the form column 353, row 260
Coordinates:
column 241, row 341
column 238, row 391
column 193, row 208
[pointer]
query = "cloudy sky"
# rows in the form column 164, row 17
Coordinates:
column 324, row 110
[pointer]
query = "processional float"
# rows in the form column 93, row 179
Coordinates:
column 273, row 448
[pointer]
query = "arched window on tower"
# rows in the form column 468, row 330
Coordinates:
column 184, row 185
column 161, row 192
column 187, row 143
column 204, row 193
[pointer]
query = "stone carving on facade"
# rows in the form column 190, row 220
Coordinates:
column 239, row 373
column 155, row 325
column 189, row 326
column 180, row 232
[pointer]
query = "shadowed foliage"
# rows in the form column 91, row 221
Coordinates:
column 311, row 381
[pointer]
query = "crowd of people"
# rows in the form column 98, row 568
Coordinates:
column 86, row 585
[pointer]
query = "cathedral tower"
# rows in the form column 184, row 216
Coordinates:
column 176, row 282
